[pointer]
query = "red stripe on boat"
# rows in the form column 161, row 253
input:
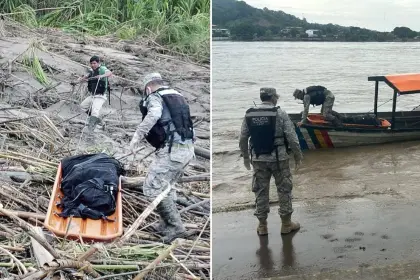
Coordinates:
column 327, row 138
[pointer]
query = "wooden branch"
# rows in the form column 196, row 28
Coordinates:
column 88, row 254
column 132, row 229
column 183, row 266
column 25, row 215
column 193, row 206
column 201, row 152
column 14, row 259
column 30, row 231
column 160, row 258
column 42, row 256
column 59, row 264
column 130, row 182
column 130, row 153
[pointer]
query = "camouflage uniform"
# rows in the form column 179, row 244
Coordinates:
column 266, row 165
column 326, row 109
column 166, row 169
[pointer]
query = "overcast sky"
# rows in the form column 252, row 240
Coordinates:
column 381, row 15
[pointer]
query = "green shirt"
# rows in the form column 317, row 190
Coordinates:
column 102, row 70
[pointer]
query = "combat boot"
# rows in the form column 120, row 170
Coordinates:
column 160, row 226
column 262, row 227
column 89, row 129
column 93, row 121
column 287, row 225
column 172, row 223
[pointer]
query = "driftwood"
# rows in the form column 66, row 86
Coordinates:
column 25, row 215
column 160, row 258
column 130, row 231
column 41, row 254
column 62, row 264
column 29, row 230
column 135, row 182
column 201, row 152
column 33, row 142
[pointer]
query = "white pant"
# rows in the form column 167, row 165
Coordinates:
column 93, row 103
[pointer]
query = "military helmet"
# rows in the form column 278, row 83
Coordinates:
column 268, row 92
column 151, row 78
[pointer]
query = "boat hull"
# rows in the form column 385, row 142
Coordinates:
column 313, row 137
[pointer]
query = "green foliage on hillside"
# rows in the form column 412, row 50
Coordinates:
column 181, row 25
column 248, row 23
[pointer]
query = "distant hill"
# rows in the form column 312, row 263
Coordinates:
column 248, row 23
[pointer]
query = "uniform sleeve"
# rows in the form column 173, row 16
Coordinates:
column 290, row 133
column 154, row 113
column 306, row 103
column 243, row 140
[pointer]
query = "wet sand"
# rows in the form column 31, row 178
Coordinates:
column 336, row 234
column 390, row 170
column 357, row 207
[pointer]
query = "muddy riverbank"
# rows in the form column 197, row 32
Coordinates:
column 350, row 234
column 390, row 170
column 41, row 122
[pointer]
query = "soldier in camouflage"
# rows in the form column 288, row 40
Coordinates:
column 269, row 131
column 172, row 157
column 317, row 95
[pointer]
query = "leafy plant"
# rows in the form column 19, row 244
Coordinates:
column 180, row 25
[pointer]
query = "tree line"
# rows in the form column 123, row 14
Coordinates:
column 248, row 23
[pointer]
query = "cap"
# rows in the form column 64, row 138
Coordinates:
column 151, row 77
column 268, row 92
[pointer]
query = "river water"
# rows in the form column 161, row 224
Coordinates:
column 373, row 178
column 239, row 69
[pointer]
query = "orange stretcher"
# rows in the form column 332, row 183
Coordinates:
column 318, row 119
column 85, row 229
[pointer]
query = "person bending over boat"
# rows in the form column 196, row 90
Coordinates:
column 317, row 95
column 269, row 131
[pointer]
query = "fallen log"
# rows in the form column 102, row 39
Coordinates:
column 130, row 182
column 201, row 152
column 29, row 230
column 26, row 215
column 132, row 229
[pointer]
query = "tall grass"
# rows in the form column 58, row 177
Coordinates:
column 180, row 25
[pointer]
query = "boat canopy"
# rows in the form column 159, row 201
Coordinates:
column 401, row 83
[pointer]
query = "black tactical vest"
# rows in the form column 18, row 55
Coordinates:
column 94, row 84
column 261, row 124
column 317, row 94
column 180, row 118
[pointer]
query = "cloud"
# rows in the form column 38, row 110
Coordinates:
column 382, row 15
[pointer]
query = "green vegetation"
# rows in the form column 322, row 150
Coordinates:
column 179, row 25
column 248, row 23
column 33, row 64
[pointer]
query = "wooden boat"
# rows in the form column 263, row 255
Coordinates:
column 78, row 228
column 392, row 126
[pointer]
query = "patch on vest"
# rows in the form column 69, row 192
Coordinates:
column 260, row 121
column 261, row 124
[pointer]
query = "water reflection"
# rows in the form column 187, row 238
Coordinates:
column 288, row 251
column 264, row 255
